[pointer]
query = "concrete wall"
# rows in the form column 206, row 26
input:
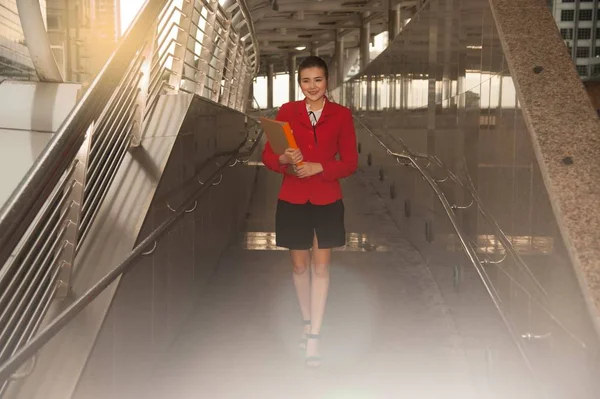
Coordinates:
column 153, row 301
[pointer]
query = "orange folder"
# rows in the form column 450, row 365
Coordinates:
column 279, row 134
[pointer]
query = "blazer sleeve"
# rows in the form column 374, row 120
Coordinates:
column 269, row 158
column 348, row 162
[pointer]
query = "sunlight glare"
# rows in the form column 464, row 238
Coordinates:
column 129, row 9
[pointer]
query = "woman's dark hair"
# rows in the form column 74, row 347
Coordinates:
column 313, row 62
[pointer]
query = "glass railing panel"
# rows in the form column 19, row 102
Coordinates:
column 450, row 95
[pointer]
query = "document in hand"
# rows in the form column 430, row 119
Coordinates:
column 279, row 134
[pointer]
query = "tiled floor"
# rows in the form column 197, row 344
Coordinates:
column 387, row 333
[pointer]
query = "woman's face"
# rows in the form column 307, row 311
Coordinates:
column 313, row 83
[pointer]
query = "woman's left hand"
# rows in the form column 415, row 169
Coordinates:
column 308, row 169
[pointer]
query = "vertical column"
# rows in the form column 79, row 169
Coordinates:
column 292, row 75
column 376, row 90
column 391, row 92
column 595, row 19
column 250, row 96
column 393, row 26
column 575, row 30
column 365, row 37
column 369, row 93
column 339, row 57
column 434, row 20
column 270, row 75
column 314, row 49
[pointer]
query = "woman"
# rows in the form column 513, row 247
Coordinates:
column 310, row 211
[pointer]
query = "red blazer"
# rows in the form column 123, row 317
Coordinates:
column 334, row 135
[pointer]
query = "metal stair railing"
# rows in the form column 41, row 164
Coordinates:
column 536, row 295
column 191, row 46
column 222, row 161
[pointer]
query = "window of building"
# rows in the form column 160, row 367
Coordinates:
column 567, row 15
column 584, row 33
column 586, row 1
column 596, row 70
column 585, row 15
column 582, row 52
column 597, row 52
column 582, row 70
column 53, row 22
column 568, row 1
column 567, row 33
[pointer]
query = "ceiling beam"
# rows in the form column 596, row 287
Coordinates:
column 269, row 24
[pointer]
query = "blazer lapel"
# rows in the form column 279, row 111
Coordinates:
column 327, row 112
column 302, row 114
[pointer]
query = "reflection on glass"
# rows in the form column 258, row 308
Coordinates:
column 444, row 88
column 265, row 241
column 490, row 244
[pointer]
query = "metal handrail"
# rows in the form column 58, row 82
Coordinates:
column 54, row 327
column 8, row 368
column 412, row 158
column 475, row 198
column 40, row 236
column 467, row 247
column 19, row 210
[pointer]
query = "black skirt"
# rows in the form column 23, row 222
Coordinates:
column 296, row 225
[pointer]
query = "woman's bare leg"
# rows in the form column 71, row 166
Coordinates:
column 301, row 262
column 321, row 259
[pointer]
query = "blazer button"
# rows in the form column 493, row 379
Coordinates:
column 310, row 146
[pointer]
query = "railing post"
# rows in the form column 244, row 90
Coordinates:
column 221, row 63
column 181, row 73
column 239, row 93
column 67, row 249
column 230, row 71
column 237, row 76
column 143, row 95
column 208, row 45
column 246, row 93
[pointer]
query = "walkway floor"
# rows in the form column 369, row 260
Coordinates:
column 387, row 333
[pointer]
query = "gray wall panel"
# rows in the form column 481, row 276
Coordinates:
column 154, row 300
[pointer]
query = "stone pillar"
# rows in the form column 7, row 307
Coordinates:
column 292, row 75
column 339, row 58
column 365, row 38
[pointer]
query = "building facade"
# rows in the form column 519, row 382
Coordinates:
column 15, row 62
column 577, row 21
column 83, row 34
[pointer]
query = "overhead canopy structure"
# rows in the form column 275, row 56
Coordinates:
column 299, row 27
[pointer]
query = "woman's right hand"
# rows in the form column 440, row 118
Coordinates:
column 290, row 156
